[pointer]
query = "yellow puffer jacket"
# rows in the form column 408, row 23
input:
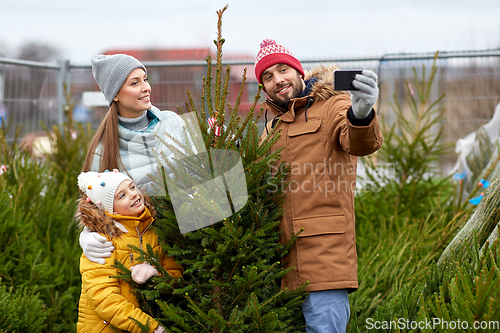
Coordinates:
column 107, row 302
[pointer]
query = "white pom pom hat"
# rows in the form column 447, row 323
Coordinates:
column 100, row 187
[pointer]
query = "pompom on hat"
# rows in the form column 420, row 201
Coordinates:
column 111, row 71
column 271, row 54
column 100, row 187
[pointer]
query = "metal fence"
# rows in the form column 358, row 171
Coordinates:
column 33, row 93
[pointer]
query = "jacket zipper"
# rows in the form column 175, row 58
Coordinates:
column 140, row 234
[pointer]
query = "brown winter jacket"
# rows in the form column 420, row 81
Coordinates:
column 106, row 301
column 321, row 146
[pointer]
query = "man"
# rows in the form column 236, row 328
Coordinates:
column 322, row 133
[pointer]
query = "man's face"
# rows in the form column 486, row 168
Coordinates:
column 282, row 83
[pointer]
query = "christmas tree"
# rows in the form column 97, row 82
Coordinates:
column 431, row 265
column 232, row 274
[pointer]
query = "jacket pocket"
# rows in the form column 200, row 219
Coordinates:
column 321, row 248
column 311, row 126
column 320, row 225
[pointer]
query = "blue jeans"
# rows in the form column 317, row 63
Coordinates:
column 326, row 311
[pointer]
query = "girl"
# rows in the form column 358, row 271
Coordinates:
column 112, row 206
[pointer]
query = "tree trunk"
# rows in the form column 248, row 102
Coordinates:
column 480, row 225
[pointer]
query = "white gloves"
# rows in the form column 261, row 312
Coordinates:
column 143, row 272
column 362, row 100
column 95, row 247
column 160, row 329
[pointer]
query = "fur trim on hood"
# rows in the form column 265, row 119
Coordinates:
column 323, row 88
column 95, row 219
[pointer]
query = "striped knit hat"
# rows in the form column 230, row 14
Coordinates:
column 271, row 54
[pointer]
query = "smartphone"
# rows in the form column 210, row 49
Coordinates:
column 342, row 79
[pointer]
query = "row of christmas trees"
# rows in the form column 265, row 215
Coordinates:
column 424, row 251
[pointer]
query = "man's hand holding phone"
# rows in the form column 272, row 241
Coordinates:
column 362, row 85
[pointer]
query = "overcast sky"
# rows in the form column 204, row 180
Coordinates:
column 310, row 29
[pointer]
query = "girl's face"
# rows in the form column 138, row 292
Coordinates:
column 134, row 95
column 128, row 200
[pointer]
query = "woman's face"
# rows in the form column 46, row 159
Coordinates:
column 134, row 95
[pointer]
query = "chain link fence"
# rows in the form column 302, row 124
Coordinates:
column 34, row 95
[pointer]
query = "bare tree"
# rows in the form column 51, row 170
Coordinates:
column 37, row 51
column 4, row 50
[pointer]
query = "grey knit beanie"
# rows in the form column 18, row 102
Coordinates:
column 111, row 71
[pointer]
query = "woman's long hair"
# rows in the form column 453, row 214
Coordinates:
column 107, row 135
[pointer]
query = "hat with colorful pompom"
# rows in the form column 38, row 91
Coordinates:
column 100, row 187
column 270, row 54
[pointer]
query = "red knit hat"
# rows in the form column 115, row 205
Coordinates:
column 271, row 54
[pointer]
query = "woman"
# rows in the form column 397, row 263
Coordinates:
column 128, row 136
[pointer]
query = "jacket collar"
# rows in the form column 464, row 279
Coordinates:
column 292, row 106
column 142, row 221
column 128, row 135
column 98, row 220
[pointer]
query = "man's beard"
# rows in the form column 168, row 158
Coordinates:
column 296, row 90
